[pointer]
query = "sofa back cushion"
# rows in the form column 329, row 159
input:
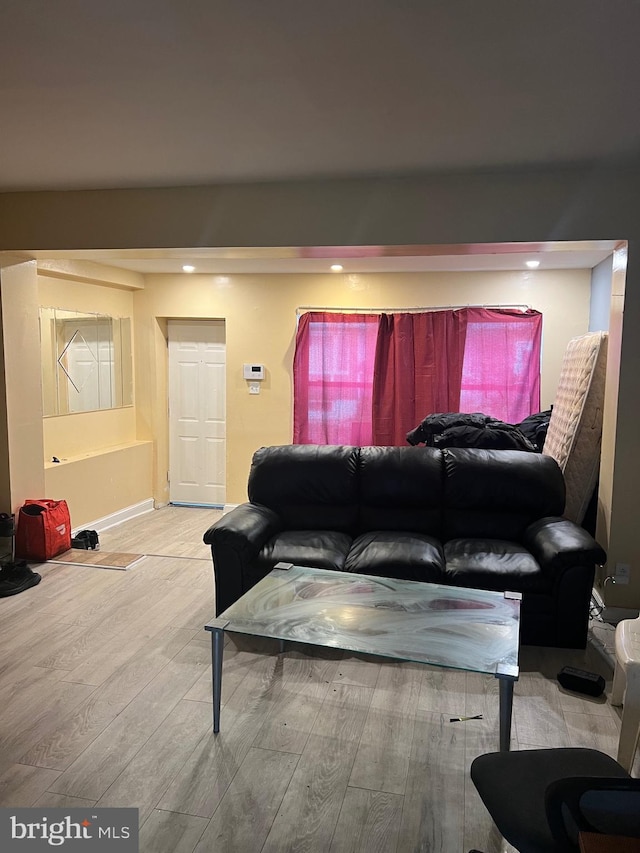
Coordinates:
column 309, row 486
column 496, row 494
column 401, row 489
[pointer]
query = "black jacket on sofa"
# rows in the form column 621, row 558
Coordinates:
column 486, row 519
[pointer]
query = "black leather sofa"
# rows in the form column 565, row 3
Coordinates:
column 487, row 519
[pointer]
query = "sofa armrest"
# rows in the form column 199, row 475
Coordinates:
column 245, row 529
column 559, row 544
column 236, row 540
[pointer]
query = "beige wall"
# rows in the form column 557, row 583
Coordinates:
column 103, row 467
column 19, row 294
column 260, row 316
column 5, row 480
column 101, row 483
column 618, row 501
column 55, row 291
column 69, row 437
column 610, row 414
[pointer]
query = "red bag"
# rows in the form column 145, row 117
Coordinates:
column 44, row 530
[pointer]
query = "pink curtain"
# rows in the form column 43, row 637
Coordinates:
column 333, row 378
column 418, row 369
column 501, row 370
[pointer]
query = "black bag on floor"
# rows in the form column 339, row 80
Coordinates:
column 87, row 539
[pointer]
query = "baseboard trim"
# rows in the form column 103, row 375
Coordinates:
column 118, row 517
column 196, row 505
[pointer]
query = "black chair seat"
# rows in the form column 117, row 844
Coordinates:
column 513, row 786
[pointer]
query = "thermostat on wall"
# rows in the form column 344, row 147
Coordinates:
column 253, row 371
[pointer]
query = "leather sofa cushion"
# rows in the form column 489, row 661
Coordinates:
column 496, row 494
column 407, row 556
column 493, row 564
column 308, row 486
column 401, row 489
column 318, row 549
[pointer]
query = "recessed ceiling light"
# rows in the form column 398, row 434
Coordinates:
column 336, row 267
column 188, row 268
column 532, row 264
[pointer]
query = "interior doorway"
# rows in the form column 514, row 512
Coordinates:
column 197, row 420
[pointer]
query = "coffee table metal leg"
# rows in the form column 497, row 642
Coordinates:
column 506, row 707
column 506, row 674
column 217, row 646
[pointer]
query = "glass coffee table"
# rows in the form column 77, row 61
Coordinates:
column 469, row 629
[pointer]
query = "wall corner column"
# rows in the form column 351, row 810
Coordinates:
column 23, row 440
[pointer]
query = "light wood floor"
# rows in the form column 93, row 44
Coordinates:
column 105, row 699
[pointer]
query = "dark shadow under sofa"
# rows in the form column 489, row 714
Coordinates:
column 486, row 519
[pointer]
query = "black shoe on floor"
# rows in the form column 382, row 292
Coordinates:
column 16, row 577
column 7, row 525
column 85, row 539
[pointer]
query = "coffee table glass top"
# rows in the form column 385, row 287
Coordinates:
column 468, row 629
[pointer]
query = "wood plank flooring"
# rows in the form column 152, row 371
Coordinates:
column 105, row 697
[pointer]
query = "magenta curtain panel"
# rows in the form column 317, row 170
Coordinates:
column 501, row 369
column 333, row 372
column 368, row 379
column 418, row 370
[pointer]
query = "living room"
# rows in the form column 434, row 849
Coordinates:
column 121, row 427
column 470, row 129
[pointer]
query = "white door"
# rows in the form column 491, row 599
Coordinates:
column 197, row 445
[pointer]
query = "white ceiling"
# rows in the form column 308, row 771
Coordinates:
column 353, row 259
column 121, row 93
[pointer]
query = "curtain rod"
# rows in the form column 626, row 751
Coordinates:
column 300, row 309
